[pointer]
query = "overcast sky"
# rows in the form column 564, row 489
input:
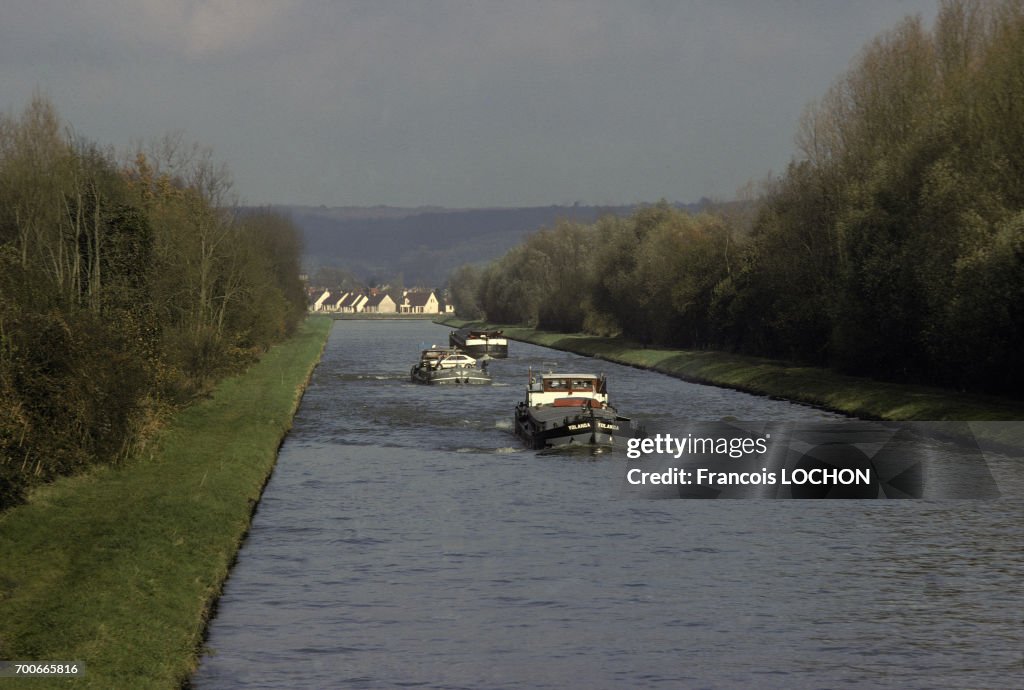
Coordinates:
column 454, row 103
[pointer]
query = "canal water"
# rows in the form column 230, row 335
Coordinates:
column 407, row 539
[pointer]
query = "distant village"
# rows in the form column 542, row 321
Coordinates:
column 376, row 301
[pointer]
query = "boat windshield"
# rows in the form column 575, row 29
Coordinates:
column 559, row 385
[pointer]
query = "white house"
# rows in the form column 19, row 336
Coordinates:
column 419, row 302
column 318, row 303
column 353, row 304
column 381, row 303
column 335, row 302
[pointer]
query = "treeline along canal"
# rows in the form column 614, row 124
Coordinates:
column 407, row 539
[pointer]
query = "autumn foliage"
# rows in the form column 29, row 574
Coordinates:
column 126, row 289
column 892, row 246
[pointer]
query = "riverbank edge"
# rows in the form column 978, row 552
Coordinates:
column 121, row 567
column 371, row 316
column 820, row 388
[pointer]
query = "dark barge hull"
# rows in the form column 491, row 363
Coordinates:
column 551, row 427
column 480, row 343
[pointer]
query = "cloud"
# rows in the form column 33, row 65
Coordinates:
column 457, row 102
column 195, row 28
column 218, row 26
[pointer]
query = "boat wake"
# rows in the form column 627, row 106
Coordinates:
column 372, row 377
column 506, row 450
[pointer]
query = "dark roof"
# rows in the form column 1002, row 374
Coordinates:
column 418, row 299
column 375, row 300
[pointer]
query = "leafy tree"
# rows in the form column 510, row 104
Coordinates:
column 124, row 290
column 464, row 287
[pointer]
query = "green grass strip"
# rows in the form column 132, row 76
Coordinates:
column 118, row 568
column 860, row 397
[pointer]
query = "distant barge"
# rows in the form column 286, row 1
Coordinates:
column 478, row 343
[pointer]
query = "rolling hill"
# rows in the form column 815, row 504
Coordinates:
column 424, row 244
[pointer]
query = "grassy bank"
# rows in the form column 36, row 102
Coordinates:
column 118, row 568
column 859, row 397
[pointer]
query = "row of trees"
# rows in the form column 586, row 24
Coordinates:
column 125, row 290
column 653, row 276
column 892, row 246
